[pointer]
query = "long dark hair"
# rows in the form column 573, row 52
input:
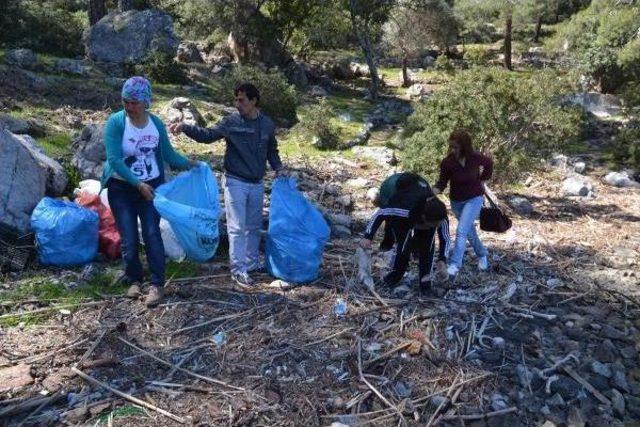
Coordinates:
column 463, row 139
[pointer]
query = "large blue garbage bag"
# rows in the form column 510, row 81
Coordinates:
column 297, row 234
column 66, row 233
column 190, row 204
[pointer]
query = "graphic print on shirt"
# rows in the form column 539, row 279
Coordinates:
column 139, row 147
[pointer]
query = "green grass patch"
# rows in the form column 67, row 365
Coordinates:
column 52, row 292
column 56, row 145
column 180, row 270
column 121, row 412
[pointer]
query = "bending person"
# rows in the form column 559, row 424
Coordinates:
column 413, row 214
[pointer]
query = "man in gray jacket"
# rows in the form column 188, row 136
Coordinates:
column 250, row 143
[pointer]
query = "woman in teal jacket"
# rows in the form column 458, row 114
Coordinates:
column 137, row 147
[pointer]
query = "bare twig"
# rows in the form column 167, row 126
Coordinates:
column 128, row 396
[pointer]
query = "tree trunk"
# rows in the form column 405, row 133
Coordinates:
column 361, row 29
column 97, row 9
column 124, row 5
column 507, row 43
column 406, row 81
column 536, row 36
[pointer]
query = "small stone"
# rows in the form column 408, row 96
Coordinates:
column 629, row 352
column 579, row 167
column 612, row 333
column 372, row 194
column 437, row 400
column 620, row 179
column 575, row 418
column 554, row 283
column 402, row 390
column 556, row 400
column 521, row 205
column 567, row 387
column 577, row 186
column 633, row 405
column 606, row 352
column 617, row 401
column 619, row 381
column 498, row 402
column 498, row 342
column 345, row 201
column 357, row 182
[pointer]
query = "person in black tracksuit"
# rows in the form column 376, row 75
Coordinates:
column 412, row 216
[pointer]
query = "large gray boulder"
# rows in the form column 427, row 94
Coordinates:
column 56, row 175
column 130, row 36
column 89, row 152
column 22, row 181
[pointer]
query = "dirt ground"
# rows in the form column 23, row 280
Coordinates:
column 549, row 334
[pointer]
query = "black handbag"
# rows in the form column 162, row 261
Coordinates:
column 493, row 219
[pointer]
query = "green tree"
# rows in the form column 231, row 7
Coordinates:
column 414, row 24
column 367, row 16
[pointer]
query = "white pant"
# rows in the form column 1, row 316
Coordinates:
column 243, row 205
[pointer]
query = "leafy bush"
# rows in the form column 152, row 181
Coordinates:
column 44, row 26
column 316, row 123
column 627, row 146
column 516, row 119
column 277, row 97
column 444, row 64
column 603, row 40
column 477, row 55
column 161, row 67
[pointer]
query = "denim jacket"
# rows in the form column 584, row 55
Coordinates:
column 250, row 144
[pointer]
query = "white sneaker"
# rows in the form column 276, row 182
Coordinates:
column 452, row 270
column 483, row 263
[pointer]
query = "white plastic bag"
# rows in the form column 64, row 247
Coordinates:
column 92, row 186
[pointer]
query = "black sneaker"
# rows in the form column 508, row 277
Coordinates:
column 242, row 278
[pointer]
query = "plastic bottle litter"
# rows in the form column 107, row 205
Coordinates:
column 219, row 338
column 340, row 307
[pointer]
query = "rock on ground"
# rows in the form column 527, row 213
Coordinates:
column 130, row 36
column 188, row 52
column 620, row 179
column 89, row 154
column 181, row 109
column 23, row 58
column 72, row 66
column 56, row 176
column 23, row 181
column 577, row 186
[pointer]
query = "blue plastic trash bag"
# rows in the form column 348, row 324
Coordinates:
column 190, row 204
column 297, row 234
column 66, row 233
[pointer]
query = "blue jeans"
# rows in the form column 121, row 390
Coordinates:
column 243, row 206
column 467, row 211
column 127, row 205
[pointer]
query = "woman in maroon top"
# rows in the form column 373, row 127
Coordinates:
column 466, row 170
